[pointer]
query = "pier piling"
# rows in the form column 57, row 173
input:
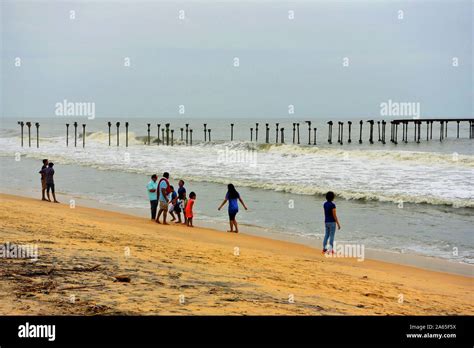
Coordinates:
column 209, row 131
column 256, row 132
column 371, row 132
column 75, row 134
column 167, row 125
column 158, row 125
column 172, row 137
column 205, row 134
column 350, row 126
column 187, row 131
column 309, row 132
column 148, row 131
column 182, row 135
column 37, row 134
column 267, row 133
column 191, row 137
column 28, row 124
column 83, row 135
column 251, row 134
column 118, row 133
column 276, row 136
column 22, row 124
column 231, row 132
column 360, row 131
column 298, row 132
column 109, row 124
column 330, row 123
column 67, row 134
column 282, row 135
column 294, row 131
column 315, row 135
column 126, row 134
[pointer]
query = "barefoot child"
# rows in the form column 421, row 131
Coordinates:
column 188, row 212
column 234, row 198
column 173, row 202
column 330, row 221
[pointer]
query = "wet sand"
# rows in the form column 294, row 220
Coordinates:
column 93, row 261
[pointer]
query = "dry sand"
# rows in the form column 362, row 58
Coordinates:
column 195, row 271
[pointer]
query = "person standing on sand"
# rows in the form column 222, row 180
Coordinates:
column 49, row 174
column 164, row 190
column 233, row 197
column 180, row 202
column 152, row 189
column 330, row 221
column 173, row 202
column 188, row 213
column 43, row 180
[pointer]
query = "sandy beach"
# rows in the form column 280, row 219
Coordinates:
column 175, row 270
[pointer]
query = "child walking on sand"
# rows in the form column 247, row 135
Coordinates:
column 188, row 211
column 330, row 221
column 233, row 197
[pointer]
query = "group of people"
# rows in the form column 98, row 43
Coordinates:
column 47, row 181
column 165, row 199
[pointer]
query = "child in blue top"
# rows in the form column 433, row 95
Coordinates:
column 233, row 197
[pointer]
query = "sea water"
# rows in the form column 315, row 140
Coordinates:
column 406, row 198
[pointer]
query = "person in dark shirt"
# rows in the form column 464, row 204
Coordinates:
column 180, row 201
column 49, row 174
column 330, row 221
column 43, row 180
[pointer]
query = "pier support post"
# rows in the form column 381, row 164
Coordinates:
column 158, row 125
column 383, row 131
column 419, row 131
column 191, row 137
column 148, row 131
column 231, row 132
column 276, row 136
column 256, row 132
column 371, row 133
column 339, row 132
column 182, row 136
column 315, row 133
column 187, row 131
column 441, row 130
column 396, row 133
column 350, row 126
column 67, row 134
column 37, row 134
column 83, row 135
column 457, row 133
column 163, row 136
column 360, row 131
column 21, row 123
column 251, row 133
column 378, row 126
column 167, row 125
column 118, row 133
column 75, row 134
column 294, row 132
column 342, row 133
column 309, row 132
column 205, row 134
column 282, row 130
column 126, row 134
column 267, row 133
column 298, row 132
column 172, row 137
column 427, row 130
column 330, row 123
column 446, row 129
column 209, row 134
column 110, row 125
column 431, row 130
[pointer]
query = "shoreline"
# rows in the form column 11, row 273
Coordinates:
column 82, row 251
column 408, row 259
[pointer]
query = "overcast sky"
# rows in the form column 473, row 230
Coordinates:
column 282, row 61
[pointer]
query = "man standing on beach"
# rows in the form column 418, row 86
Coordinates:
column 164, row 191
column 152, row 189
column 43, row 179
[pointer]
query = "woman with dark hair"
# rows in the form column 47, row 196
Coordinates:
column 233, row 197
